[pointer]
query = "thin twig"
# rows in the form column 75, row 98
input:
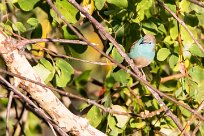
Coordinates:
column 38, row 110
column 199, row 3
column 171, row 77
column 105, row 109
column 77, row 59
column 183, row 24
column 51, row 127
column 22, row 43
column 19, row 118
column 8, row 112
column 138, row 74
column 192, row 118
column 197, row 128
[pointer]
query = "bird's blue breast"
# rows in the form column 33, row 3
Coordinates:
column 145, row 50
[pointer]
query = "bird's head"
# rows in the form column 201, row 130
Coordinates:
column 149, row 38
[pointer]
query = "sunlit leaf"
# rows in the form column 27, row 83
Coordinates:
column 32, row 22
column 94, row 116
column 27, row 5
column 18, row 26
column 82, row 79
column 173, row 60
column 121, row 119
column 162, row 54
column 116, row 55
column 65, row 73
column 67, row 10
column 42, row 71
column 121, row 76
column 119, row 3
column 99, row 4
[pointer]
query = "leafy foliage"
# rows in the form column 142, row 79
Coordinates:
column 127, row 21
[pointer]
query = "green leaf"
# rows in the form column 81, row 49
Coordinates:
column 197, row 74
column 3, row 8
column 173, row 29
column 162, row 29
column 149, row 27
column 94, row 116
column 27, row 5
column 8, row 29
column 201, row 19
column 138, row 125
column 190, row 19
column 116, row 55
column 121, row 76
column 65, row 73
column 109, row 82
column 121, row 119
column 119, row 3
column 33, row 22
column 18, row 26
column 120, row 30
column 185, row 112
column 69, row 34
column 178, row 92
column 99, row 4
column 196, row 51
column 166, row 88
column 168, row 40
column 143, row 8
column 67, row 10
column 112, row 124
column 184, row 6
column 196, row 83
column 186, row 38
column 42, row 72
column 162, row 54
column 82, row 79
column 173, row 60
column 46, row 64
column 172, row 7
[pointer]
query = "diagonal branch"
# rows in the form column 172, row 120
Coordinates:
column 199, row 3
column 34, row 106
column 123, row 54
column 183, row 24
column 17, row 63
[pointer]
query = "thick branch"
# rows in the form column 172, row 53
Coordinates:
column 17, row 63
column 123, row 54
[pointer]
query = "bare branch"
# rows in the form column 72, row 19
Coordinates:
column 183, row 24
column 17, row 63
column 199, row 3
column 123, row 54
column 8, row 112
column 171, row 77
column 29, row 41
column 38, row 110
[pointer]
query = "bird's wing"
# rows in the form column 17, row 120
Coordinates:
column 137, row 42
column 133, row 50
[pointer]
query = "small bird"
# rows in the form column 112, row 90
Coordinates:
column 143, row 51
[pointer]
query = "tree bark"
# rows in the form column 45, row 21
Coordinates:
column 17, row 63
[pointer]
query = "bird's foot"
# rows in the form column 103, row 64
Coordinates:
column 143, row 74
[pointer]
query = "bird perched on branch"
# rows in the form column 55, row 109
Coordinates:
column 143, row 51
